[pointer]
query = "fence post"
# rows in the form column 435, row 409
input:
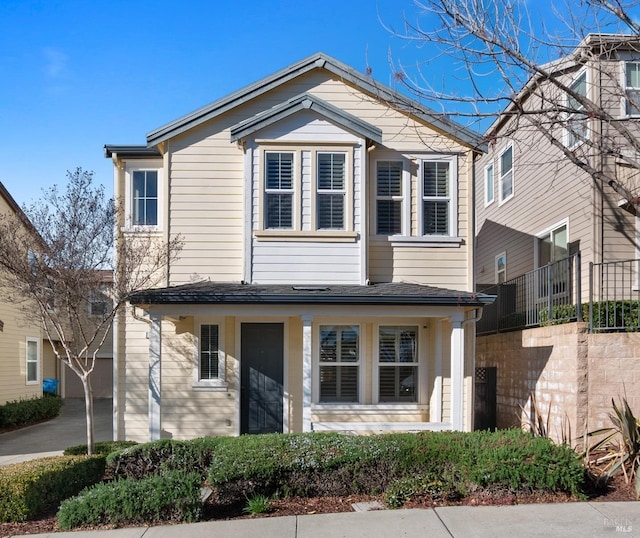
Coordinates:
column 590, row 297
column 550, row 291
column 579, row 285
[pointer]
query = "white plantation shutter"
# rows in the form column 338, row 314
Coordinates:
column 209, row 346
column 331, row 191
column 389, row 197
column 436, row 177
column 339, row 363
column 398, row 364
column 279, row 190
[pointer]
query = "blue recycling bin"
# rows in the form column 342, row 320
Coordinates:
column 50, row 386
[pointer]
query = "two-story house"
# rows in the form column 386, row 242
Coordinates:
column 21, row 362
column 325, row 280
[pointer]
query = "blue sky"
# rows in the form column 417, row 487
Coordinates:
column 78, row 74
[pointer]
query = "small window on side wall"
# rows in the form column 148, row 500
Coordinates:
column 501, row 268
column 506, row 174
column 145, row 198
column 33, row 361
column 488, row 185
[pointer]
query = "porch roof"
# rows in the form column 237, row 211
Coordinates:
column 388, row 293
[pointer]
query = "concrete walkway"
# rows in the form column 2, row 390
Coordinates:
column 579, row 519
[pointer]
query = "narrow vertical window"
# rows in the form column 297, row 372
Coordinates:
column 145, row 198
column 488, row 185
column 577, row 118
column 506, row 174
column 436, row 180
column 279, row 190
column 331, row 191
column 389, row 197
column 33, row 361
column 209, row 363
column 398, row 364
column 632, row 89
column 501, row 268
column 339, row 363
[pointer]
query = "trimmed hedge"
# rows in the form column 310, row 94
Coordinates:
column 24, row 412
column 103, row 448
column 174, row 497
column 28, row 489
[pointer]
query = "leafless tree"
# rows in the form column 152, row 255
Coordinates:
column 511, row 64
column 61, row 264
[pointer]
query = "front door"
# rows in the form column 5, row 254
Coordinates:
column 261, row 377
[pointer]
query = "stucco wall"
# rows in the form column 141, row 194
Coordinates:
column 572, row 374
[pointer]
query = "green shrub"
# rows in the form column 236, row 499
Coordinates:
column 260, row 504
column 161, row 456
column 28, row 489
column 620, row 315
column 24, row 412
column 103, row 448
column 173, row 497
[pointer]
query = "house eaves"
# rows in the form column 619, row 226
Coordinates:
column 380, row 294
column 130, row 151
column 365, row 83
column 306, row 102
column 21, row 214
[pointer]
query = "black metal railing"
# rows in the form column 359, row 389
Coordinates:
column 613, row 296
column 548, row 295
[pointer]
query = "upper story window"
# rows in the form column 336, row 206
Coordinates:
column 488, row 185
column 501, row 268
column 145, row 198
column 577, row 119
column 632, row 88
column 506, row 174
column 389, row 197
column 33, row 361
column 437, row 194
column 279, row 190
column 331, row 191
column 339, row 363
column 553, row 245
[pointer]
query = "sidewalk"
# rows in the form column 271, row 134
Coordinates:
column 569, row 520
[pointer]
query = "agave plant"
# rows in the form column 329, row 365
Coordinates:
column 623, row 441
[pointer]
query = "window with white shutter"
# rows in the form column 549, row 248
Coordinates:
column 279, row 190
column 389, row 198
column 331, row 191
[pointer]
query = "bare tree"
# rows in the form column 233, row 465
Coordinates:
column 61, row 264
column 514, row 69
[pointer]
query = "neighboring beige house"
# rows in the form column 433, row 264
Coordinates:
column 326, row 277
column 536, row 212
column 21, row 363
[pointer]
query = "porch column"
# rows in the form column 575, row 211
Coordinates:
column 155, row 341
column 457, row 372
column 306, row 372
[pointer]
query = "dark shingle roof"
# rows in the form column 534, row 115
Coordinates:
column 396, row 293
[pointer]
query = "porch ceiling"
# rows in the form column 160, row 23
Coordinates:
column 395, row 293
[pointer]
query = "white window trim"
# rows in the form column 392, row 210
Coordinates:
column 420, row 363
column 453, row 194
column 405, row 201
column 347, row 191
column 221, row 383
column 488, row 201
column 144, row 166
column 295, row 190
column 36, row 381
column 623, row 85
column 567, row 133
column 501, row 175
column 547, row 231
column 497, row 271
column 315, row 375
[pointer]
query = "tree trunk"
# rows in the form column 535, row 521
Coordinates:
column 88, row 402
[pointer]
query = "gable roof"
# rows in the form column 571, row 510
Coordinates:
column 306, row 101
column 390, row 293
column 318, row 61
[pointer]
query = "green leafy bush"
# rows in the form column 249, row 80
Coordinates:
column 24, row 412
column 620, row 315
column 28, row 489
column 103, row 448
column 173, row 497
column 163, row 455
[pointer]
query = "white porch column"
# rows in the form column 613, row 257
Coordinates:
column 306, row 372
column 155, row 341
column 457, row 372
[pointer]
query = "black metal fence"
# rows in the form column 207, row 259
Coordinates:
column 547, row 295
column 613, row 296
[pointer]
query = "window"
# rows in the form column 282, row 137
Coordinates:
column 331, row 193
column 145, row 198
column 98, row 304
column 398, row 364
column 552, row 245
column 632, row 88
column 436, row 197
column 389, row 197
column 501, row 268
column 33, row 361
column 209, row 368
column 576, row 119
column 488, row 185
column 506, row 174
column 339, row 363
column 279, row 190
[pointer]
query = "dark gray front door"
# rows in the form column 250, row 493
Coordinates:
column 261, row 369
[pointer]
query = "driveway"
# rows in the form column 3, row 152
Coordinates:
column 52, row 437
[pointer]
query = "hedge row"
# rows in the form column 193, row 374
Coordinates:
column 24, row 412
